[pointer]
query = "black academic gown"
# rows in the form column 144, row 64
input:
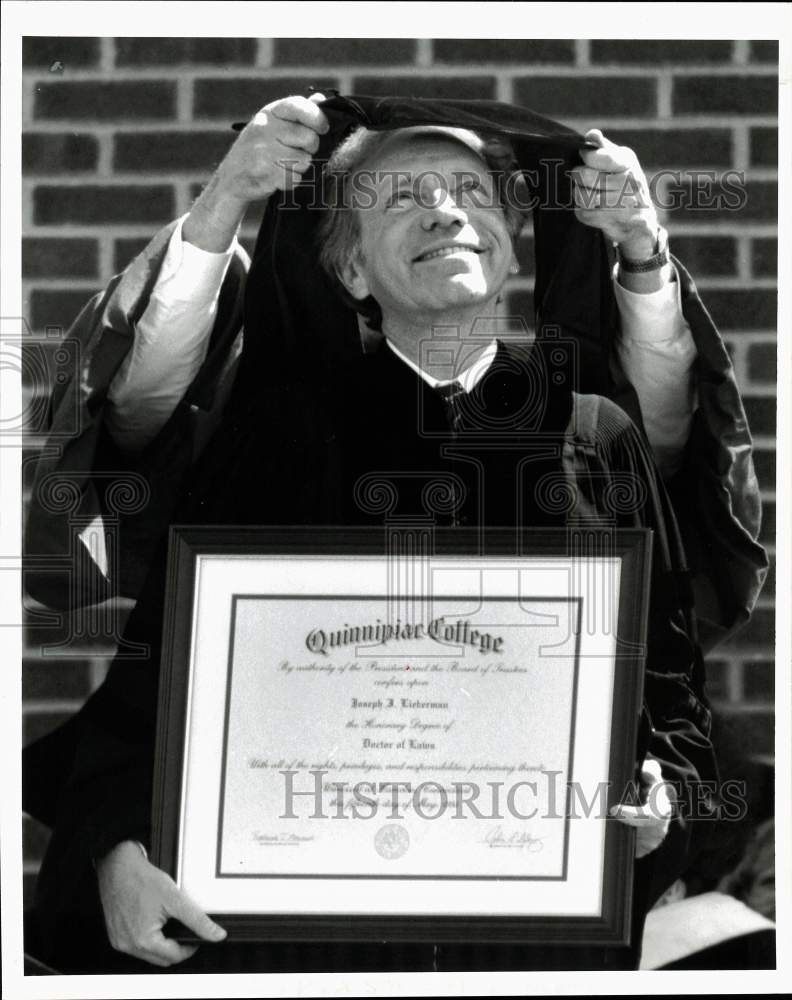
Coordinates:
column 387, row 434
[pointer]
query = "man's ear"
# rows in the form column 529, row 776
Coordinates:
column 352, row 276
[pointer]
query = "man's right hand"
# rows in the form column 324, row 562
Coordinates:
column 272, row 153
column 138, row 900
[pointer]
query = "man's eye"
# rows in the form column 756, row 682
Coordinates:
column 471, row 192
column 401, row 198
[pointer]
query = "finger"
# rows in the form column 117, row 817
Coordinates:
column 637, row 816
column 317, row 98
column 295, row 136
column 590, row 177
column 650, row 768
column 596, row 136
column 293, row 166
column 165, row 951
column 301, row 110
column 610, row 157
column 194, row 918
column 608, row 200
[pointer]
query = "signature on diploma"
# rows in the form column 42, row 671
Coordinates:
column 281, row 839
column 521, row 839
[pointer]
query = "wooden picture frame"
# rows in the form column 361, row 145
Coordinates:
column 255, row 619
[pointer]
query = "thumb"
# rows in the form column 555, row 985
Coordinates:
column 194, row 918
column 607, row 157
column 317, row 98
column 651, row 770
column 594, row 135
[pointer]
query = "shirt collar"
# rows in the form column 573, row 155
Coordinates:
column 468, row 378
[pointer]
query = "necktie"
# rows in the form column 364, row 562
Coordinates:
column 451, row 393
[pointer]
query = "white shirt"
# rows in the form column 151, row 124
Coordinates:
column 656, row 352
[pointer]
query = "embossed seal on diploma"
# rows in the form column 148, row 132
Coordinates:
column 391, row 841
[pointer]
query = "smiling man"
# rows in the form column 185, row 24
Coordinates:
column 436, row 244
column 430, row 250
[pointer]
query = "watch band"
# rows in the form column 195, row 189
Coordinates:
column 658, row 259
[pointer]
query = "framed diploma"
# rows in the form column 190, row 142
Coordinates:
column 407, row 735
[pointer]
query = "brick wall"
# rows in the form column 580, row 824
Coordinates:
column 120, row 134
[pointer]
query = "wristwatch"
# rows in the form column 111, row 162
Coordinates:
column 658, row 259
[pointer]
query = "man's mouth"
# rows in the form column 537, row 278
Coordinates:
column 447, row 251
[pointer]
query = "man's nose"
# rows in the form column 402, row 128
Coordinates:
column 441, row 208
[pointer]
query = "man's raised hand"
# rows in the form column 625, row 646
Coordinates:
column 138, row 900
column 611, row 193
column 272, row 153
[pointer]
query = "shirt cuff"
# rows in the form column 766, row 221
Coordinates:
column 187, row 271
column 645, row 316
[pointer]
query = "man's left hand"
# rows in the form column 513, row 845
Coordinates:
column 651, row 820
column 611, row 193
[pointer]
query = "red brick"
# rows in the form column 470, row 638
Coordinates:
column 762, row 362
column 56, row 679
column 742, row 308
column 769, row 588
column 48, row 257
column 93, row 203
column 763, row 51
column 760, row 631
column 124, row 251
column 107, row 100
column 764, row 257
column 677, row 147
column 56, row 306
column 759, row 680
column 762, row 201
column 761, row 412
column 739, row 736
column 239, row 99
column 41, row 51
column 164, row 152
column 764, row 147
column 733, row 95
column 304, row 52
column 700, row 198
column 659, row 52
column 765, row 465
column 718, row 673
column 468, row 87
column 587, row 96
column 58, row 152
column 469, row 51
column 768, row 533
column 172, row 51
column 709, row 256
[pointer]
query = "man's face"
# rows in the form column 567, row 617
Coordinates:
column 435, row 238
